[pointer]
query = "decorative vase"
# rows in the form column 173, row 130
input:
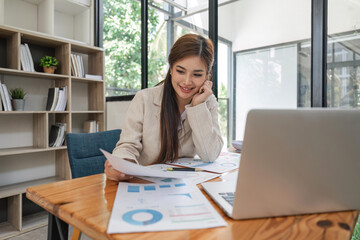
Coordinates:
column 18, row 104
column 50, row 69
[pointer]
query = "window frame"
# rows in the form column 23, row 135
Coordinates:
column 99, row 16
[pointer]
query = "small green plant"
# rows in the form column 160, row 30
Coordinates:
column 17, row 93
column 48, row 61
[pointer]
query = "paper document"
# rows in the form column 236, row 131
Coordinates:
column 161, row 207
column 193, row 177
column 134, row 169
column 226, row 162
column 231, row 177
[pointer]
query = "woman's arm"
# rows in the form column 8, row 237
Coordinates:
column 129, row 145
column 203, row 120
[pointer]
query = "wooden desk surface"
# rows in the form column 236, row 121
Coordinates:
column 86, row 203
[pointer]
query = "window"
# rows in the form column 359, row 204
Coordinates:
column 272, row 56
column 167, row 21
column 122, row 41
column 343, row 55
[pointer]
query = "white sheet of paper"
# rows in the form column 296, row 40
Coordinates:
column 161, row 207
column 193, row 177
column 226, row 162
column 134, row 169
column 230, row 176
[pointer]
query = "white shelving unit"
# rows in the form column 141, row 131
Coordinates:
column 70, row 19
column 25, row 156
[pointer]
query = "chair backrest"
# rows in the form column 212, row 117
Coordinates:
column 84, row 154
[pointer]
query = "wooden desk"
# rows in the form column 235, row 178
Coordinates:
column 86, row 204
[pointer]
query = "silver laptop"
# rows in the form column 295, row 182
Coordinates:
column 294, row 162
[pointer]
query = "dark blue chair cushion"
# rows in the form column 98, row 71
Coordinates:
column 84, row 154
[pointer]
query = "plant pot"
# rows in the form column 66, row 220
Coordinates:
column 50, row 69
column 18, row 104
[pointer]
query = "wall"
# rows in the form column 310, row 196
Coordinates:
column 115, row 114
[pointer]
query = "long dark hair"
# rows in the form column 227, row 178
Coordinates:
column 185, row 46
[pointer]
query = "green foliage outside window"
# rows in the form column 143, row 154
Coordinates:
column 122, row 43
column 223, row 105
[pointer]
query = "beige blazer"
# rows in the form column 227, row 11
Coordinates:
column 140, row 136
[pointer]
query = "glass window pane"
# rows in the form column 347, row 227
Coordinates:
column 122, row 41
column 343, row 76
column 196, row 19
column 157, row 42
column 272, row 55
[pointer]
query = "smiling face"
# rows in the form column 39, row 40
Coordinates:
column 187, row 76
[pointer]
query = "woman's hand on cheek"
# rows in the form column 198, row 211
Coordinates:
column 113, row 174
column 204, row 92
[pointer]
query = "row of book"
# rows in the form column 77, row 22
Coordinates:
column 78, row 69
column 5, row 98
column 77, row 65
column 57, row 134
column 57, row 99
column 26, row 60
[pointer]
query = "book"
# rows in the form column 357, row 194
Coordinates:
column 73, row 63
column 61, row 135
column 54, row 132
column 31, row 62
column 7, row 97
column 2, row 99
column 79, row 65
column 82, row 67
column 50, row 98
column 1, row 107
column 64, row 101
column 57, row 134
column 90, row 126
column 22, row 58
column 97, row 77
column 53, row 96
column 59, row 100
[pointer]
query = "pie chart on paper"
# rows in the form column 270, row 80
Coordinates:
column 142, row 217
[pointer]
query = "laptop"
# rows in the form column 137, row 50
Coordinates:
column 297, row 161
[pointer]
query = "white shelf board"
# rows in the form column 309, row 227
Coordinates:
column 25, row 150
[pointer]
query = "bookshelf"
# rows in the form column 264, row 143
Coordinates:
column 25, row 156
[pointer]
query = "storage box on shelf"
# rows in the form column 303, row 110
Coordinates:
column 25, row 156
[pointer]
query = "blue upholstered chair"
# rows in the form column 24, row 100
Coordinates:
column 85, row 157
column 84, row 154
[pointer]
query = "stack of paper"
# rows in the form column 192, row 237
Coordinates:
column 161, row 207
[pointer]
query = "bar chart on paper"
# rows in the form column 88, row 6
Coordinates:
column 161, row 207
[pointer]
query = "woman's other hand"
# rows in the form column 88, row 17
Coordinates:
column 204, row 92
column 113, row 174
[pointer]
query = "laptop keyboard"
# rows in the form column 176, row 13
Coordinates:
column 228, row 196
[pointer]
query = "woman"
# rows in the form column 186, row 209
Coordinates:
column 178, row 117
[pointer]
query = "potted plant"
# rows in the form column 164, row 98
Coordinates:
column 49, row 64
column 18, row 101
